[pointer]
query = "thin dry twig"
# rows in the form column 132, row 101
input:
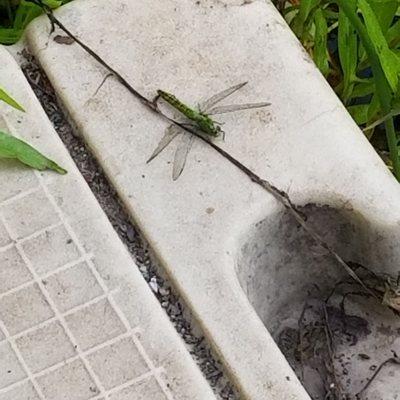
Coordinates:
column 392, row 360
column 279, row 195
column 335, row 388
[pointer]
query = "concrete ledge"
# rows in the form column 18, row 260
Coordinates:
column 233, row 254
column 77, row 320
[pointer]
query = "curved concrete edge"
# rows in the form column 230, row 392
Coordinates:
column 124, row 346
column 305, row 143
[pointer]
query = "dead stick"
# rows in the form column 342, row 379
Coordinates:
column 393, row 360
column 280, row 195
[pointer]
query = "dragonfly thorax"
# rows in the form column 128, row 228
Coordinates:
column 208, row 126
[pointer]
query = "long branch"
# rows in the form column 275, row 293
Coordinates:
column 280, row 195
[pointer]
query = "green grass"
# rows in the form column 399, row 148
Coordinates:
column 356, row 46
column 14, row 148
column 15, row 15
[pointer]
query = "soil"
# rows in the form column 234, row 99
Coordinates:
column 345, row 346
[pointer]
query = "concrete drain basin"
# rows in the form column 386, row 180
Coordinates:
column 337, row 338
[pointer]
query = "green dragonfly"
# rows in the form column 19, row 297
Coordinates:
column 198, row 119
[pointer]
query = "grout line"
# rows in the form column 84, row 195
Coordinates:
column 22, row 362
column 7, row 247
column 39, row 232
column 17, row 289
column 142, row 351
column 85, row 258
column 15, row 384
column 19, row 196
column 65, row 314
column 127, row 384
column 95, row 300
column 70, row 360
column 67, row 266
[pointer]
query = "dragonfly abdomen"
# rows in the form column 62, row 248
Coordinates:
column 183, row 108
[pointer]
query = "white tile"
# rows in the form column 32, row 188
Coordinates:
column 95, row 324
column 13, row 270
column 71, row 381
column 118, row 363
column 45, row 346
column 11, row 370
column 73, row 287
column 24, row 309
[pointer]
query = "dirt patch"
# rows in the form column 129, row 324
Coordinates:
column 345, row 345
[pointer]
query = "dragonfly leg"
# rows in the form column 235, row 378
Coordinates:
column 155, row 101
column 189, row 125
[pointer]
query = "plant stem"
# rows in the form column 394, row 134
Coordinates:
column 9, row 12
column 383, row 90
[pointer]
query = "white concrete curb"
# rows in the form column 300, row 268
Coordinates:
column 77, row 320
column 222, row 239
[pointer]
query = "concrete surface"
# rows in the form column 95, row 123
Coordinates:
column 240, row 263
column 77, row 319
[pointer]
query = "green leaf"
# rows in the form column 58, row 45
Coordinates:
column 9, row 100
column 348, row 52
column 10, row 35
column 389, row 61
column 359, row 113
column 11, row 147
column 25, row 13
column 53, row 3
column 320, row 46
column 299, row 22
column 373, row 109
column 362, row 89
column 393, row 34
column 385, row 11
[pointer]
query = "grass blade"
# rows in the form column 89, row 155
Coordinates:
column 347, row 48
column 10, row 35
column 9, row 100
column 12, row 147
column 383, row 89
column 321, row 39
column 389, row 61
column 384, row 11
column 299, row 22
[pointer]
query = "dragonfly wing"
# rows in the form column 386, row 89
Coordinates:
column 181, row 154
column 236, row 107
column 170, row 133
column 220, row 96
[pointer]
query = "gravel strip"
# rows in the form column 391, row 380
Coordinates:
column 128, row 232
